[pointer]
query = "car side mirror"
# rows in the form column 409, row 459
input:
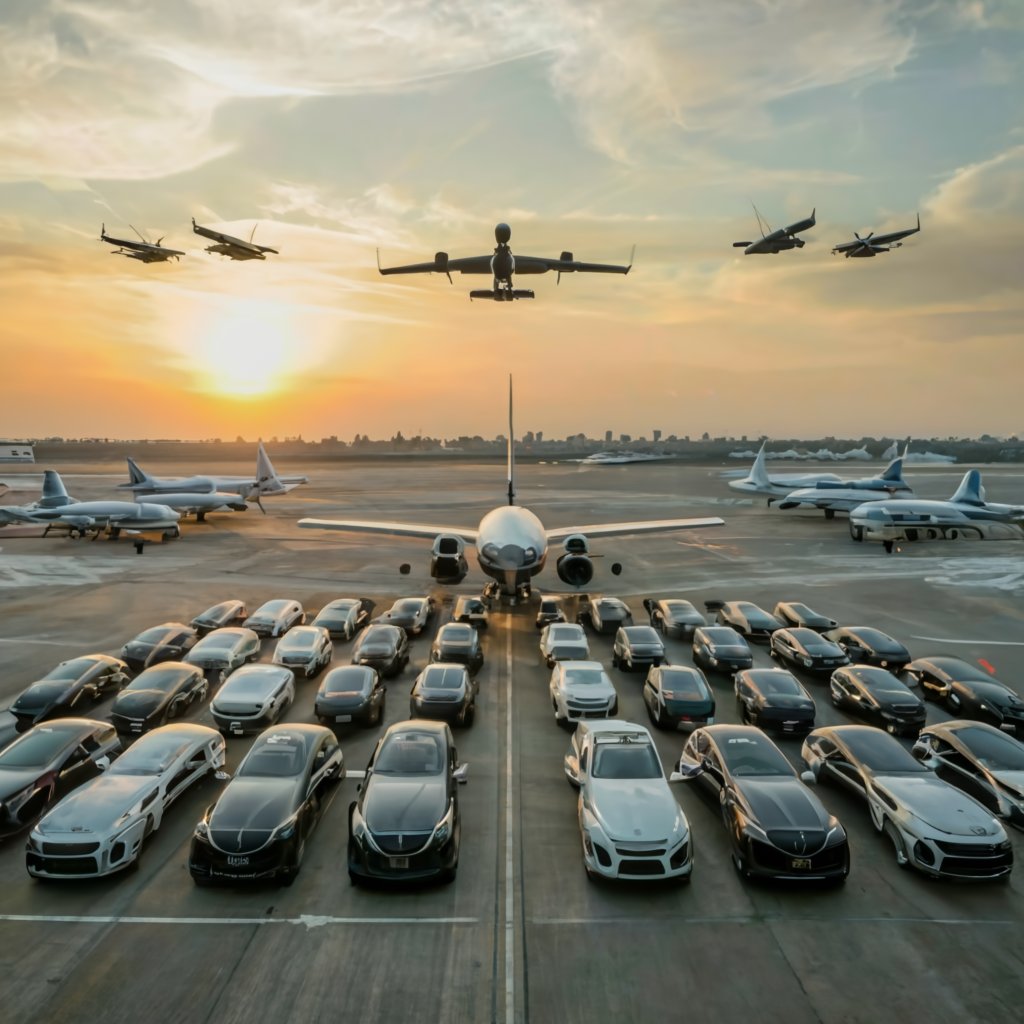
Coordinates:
column 923, row 752
column 222, row 776
column 461, row 774
column 808, row 777
column 686, row 771
column 572, row 769
column 103, row 763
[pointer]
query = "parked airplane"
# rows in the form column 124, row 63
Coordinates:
column 199, row 504
column 147, row 252
column 848, row 494
column 250, row 488
column 502, row 265
column 511, row 542
column 228, row 245
column 81, row 517
column 758, row 480
column 965, row 516
column 871, row 244
column 777, row 240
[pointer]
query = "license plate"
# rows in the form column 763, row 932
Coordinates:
column 1008, row 727
column 136, row 727
column 398, row 863
column 237, row 862
column 236, row 728
column 343, row 718
column 800, row 864
column 789, row 726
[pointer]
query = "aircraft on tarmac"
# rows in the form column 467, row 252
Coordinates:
column 81, row 517
column 965, row 516
column 227, row 488
column 511, row 542
column 834, row 497
column 758, row 480
column 147, row 252
column 777, row 240
column 236, row 248
column 872, row 244
column 502, row 265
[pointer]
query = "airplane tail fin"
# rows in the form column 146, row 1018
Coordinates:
column 511, row 449
column 971, row 490
column 55, row 494
column 137, row 477
column 267, row 480
column 893, row 473
column 758, row 471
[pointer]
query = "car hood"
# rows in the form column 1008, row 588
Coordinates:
column 375, row 651
column 138, row 703
column 1012, row 780
column 14, row 780
column 942, row 806
column 258, row 803
column 782, row 803
column 97, row 806
column 403, row 803
column 788, row 700
column 41, row 696
column 634, row 810
column 592, row 691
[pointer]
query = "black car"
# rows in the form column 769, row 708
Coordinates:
column 49, row 760
column 459, row 642
column 405, row 824
column 637, row 647
column 169, row 641
column 677, row 696
column 63, row 689
column 344, row 617
column 673, row 616
column 749, row 620
column 550, row 610
column 383, row 647
column 777, row 827
column 979, row 759
column 220, row 616
column 444, row 690
column 869, row 646
column 795, row 613
column 157, row 695
column 968, row 691
column 410, row 613
column 265, row 815
column 772, row 698
column 351, row 693
column 471, row 610
column 606, row 614
column 720, row 649
column 252, row 698
column 805, row 649
column 878, row 697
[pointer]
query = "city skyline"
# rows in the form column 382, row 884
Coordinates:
column 336, row 131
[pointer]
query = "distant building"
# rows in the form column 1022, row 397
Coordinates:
column 607, row 437
column 656, row 435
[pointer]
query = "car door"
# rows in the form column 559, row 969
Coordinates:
column 959, row 770
column 652, row 690
column 841, row 767
column 855, row 650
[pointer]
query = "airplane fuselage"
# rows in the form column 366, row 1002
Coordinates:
column 511, row 546
column 913, row 520
column 114, row 514
column 782, row 485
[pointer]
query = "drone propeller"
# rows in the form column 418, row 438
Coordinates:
column 866, row 240
column 140, row 234
column 253, row 232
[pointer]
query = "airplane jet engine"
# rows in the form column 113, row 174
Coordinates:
column 448, row 559
column 575, row 567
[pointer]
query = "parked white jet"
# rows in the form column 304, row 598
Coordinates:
column 228, row 245
column 965, row 516
column 511, row 542
column 198, row 504
column 847, row 494
column 81, row 517
column 227, row 488
column 758, row 480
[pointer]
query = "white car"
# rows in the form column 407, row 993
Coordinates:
column 564, row 641
column 306, row 649
column 253, row 698
column 275, row 618
column 224, row 650
column 631, row 825
column 344, row 617
column 100, row 827
column 581, row 689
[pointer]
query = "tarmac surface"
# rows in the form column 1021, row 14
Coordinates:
column 521, row 935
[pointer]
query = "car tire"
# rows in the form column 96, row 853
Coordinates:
column 900, row 847
column 470, row 715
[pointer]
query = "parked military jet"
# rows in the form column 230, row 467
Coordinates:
column 235, row 248
column 833, row 497
column 871, row 243
column 502, row 265
column 777, row 240
column 147, row 252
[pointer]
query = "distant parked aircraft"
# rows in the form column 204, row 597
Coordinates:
column 235, row 248
column 872, row 244
column 845, row 495
column 778, row 240
column 147, row 252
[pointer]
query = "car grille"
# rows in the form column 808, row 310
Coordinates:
column 584, row 704
column 796, row 843
column 441, row 698
column 70, row 849
column 237, row 710
column 641, row 867
column 66, row 865
column 233, row 841
column 641, row 850
column 974, row 849
column 772, row 859
column 401, row 844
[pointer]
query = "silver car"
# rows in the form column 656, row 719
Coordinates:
column 933, row 827
column 253, row 698
column 564, row 641
column 100, row 827
column 306, row 649
column 581, row 689
column 275, row 618
column 631, row 825
column 224, row 650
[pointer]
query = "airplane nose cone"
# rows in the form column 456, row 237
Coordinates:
column 502, row 233
column 510, row 556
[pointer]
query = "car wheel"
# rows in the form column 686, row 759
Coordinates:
column 898, row 844
column 470, row 715
column 202, row 882
column 289, row 876
column 615, row 660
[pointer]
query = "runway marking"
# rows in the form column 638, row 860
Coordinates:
column 510, row 965
column 574, row 922
column 306, row 920
column 978, row 643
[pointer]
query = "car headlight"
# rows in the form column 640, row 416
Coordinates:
column 203, row 831
column 358, row 826
column 285, row 831
column 808, row 662
column 443, row 829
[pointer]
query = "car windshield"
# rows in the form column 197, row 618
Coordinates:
column 340, row 608
column 42, row 693
column 408, row 607
column 954, row 668
column 679, row 607
column 456, row 634
column 272, row 608
column 723, row 636
column 611, row 606
column 642, row 635
column 880, row 752
column 162, row 679
column 39, row 747
column 279, row 757
column 443, row 678
column 584, row 676
column 626, row 761
column 297, row 640
column 218, row 611
column 71, row 669
column 151, row 636
column 410, row 753
column 471, row 607
column 565, row 633
column 152, row 754
column 776, row 682
column 683, row 685
column 218, row 641
column 876, row 639
column 996, row 751
column 348, row 679
column 751, row 754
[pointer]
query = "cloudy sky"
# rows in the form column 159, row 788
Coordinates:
column 336, row 127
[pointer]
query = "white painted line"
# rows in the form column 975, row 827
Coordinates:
column 618, row 922
column 973, row 643
column 306, row 920
column 510, row 906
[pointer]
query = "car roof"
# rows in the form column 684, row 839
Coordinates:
column 606, row 727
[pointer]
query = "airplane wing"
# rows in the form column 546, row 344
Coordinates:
column 894, row 236
column 627, row 529
column 389, row 529
column 801, row 225
column 442, row 265
column 542, row 264
column 847, row 246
